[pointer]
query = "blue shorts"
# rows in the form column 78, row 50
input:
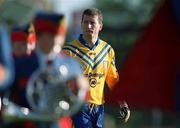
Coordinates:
column 90, row 116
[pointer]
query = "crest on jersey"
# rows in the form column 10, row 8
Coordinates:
column 105, row 65
column 92, row 82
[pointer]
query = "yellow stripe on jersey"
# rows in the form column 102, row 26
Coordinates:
column 75, row 51
column 98, row 65
column 82, row 53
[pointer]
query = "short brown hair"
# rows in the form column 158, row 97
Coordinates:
column 92, row 12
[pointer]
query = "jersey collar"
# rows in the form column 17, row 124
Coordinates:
column 83, row 42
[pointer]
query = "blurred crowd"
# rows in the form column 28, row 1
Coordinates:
column 32, row 46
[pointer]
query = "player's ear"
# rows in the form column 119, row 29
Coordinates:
column 101, row 26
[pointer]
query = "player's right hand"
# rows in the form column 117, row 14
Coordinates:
column 124, row 112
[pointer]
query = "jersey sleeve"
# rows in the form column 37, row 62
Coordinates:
column 112, row 76
column 66, row 51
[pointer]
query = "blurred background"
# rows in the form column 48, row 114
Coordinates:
column 145, row 35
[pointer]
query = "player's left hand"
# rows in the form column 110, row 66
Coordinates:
column 124, row 112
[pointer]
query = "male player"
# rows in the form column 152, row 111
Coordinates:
column 97, row 60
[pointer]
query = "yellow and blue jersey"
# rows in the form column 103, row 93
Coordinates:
column 98, row 65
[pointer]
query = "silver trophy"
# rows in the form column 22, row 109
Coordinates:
column 48, row 94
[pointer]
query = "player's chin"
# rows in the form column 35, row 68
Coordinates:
column 88, row 34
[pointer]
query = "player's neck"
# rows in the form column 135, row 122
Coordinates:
column 90, row 40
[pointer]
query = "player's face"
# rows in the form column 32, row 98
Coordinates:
column 91, row 26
